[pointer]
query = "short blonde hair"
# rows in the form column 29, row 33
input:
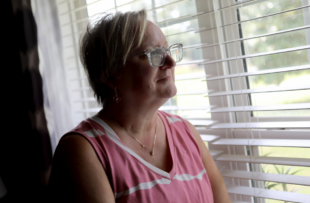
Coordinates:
column 105, row 46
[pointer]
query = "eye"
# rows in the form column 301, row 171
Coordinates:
column 143, row 57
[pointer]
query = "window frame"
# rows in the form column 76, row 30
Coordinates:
column 223, row 68
column 239, row 100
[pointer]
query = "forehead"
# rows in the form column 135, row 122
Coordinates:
column 153, row 37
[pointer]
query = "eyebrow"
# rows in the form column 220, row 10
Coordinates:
column 152, row 46
column 149, row 47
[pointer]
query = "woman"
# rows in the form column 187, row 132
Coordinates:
column 129, row 151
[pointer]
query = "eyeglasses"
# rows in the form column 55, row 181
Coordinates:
column 157, row 55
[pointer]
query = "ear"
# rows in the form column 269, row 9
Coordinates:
column 114, row 78
column 111, row 82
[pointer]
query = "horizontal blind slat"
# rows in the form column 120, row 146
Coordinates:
column 201, row 62
column 262, row 108
column 175, row 108
column 264, row 142
column 236, row 4
column 253, row 37
column 191, row 30
column 272, row 134
column 209, row 138
column 162, row 23
column 78, row 8
column 265, row 16
column 260, row 72
column 265, row 160
column 205, row 45
column 279, row 178
column 85, row 7
column 194, row 46
column 256, row 125
column 131, row 2
column 194, row 92
column 191, row 62
column 251, row 91
column 202, row 122
column 116, row 7
column 190, row 76
column 270, row 194
column 263, row 125
column 258, row 54
column 169, row 4
column 215, row 153
column 89, row 17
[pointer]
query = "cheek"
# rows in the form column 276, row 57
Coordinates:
column 144, row 77
column 141, row 75
column 172, row 73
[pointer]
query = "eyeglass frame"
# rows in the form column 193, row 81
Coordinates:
column 148, row 53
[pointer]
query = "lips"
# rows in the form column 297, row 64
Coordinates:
column 165, row 78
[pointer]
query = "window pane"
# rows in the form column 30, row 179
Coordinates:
column 176, row 10
column 290, row 152
column 99, row 7
column 177, row 33
column 293, row 39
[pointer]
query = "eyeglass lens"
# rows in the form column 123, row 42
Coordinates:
column 158, row 55
column 176, row 52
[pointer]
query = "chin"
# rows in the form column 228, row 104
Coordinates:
column 171, row 92
column 175, row 91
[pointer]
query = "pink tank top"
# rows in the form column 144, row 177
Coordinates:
column 134, row 180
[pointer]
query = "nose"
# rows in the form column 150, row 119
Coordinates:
column 169, row 63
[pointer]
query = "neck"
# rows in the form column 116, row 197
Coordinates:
column 138, row 120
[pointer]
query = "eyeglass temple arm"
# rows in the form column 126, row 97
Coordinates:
column 140, row 52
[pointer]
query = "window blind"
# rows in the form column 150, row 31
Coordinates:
column 243, row 83
column 253, row 161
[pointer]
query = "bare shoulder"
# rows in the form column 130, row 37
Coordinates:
column 203, row 149
column 72, row 142
column 217, row 183
column 207, row 159
column 77, row 174
column 193, row 129
column 72, row 152
column 73, row 146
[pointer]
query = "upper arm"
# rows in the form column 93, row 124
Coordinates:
column 207, row 159
column 217, row 183
column 77, row 174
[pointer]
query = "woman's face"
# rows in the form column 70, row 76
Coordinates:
column 141, row 82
